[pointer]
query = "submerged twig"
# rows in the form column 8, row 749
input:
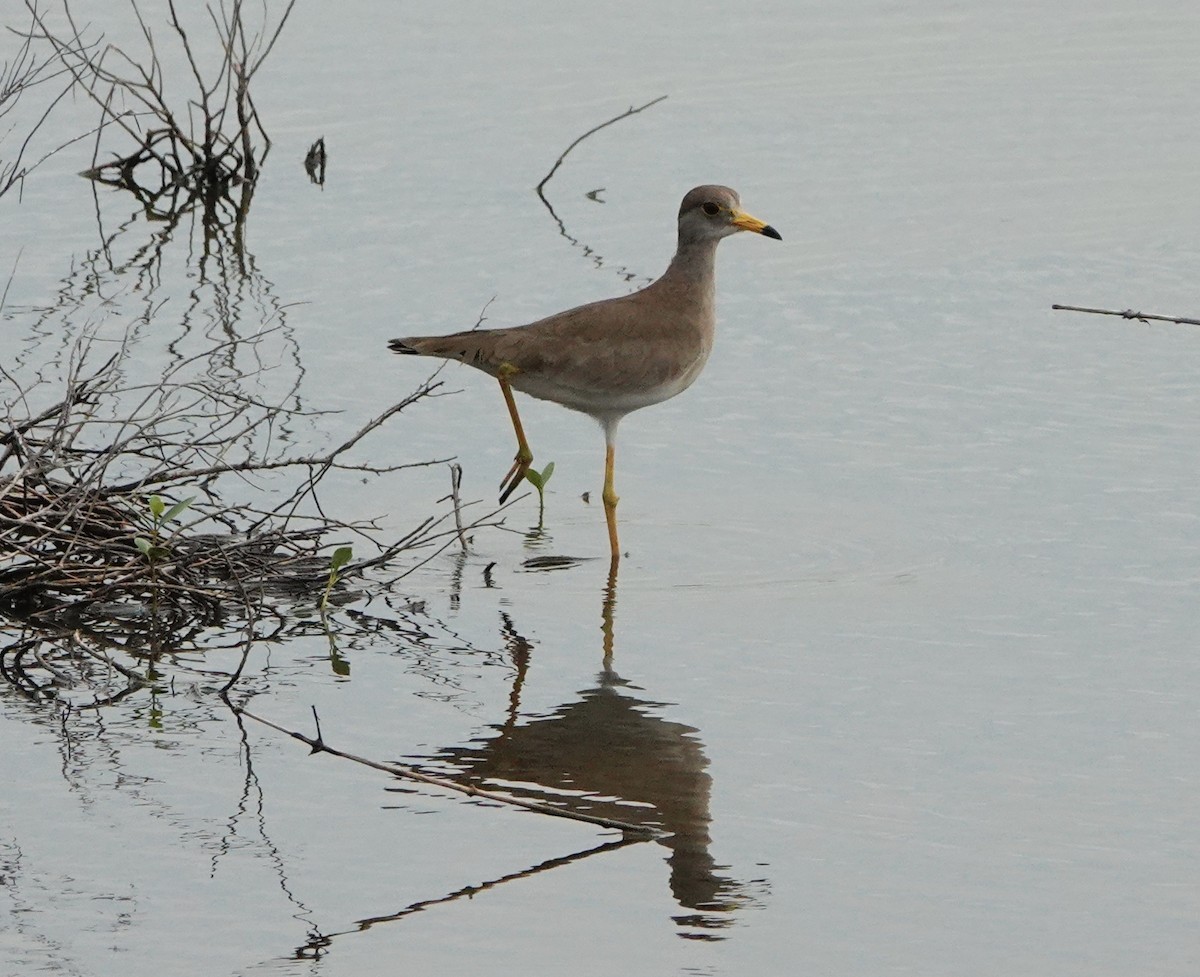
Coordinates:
column 318, row 745
column 469, row 891
column 203, row 151
column 592, row 131
column 456, row 474
column 113, row 521
column 1130, row 314
column 24, row 71
column 588, row 251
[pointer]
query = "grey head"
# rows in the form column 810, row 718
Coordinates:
column 711, row 212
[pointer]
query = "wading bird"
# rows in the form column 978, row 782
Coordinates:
column 609, row 358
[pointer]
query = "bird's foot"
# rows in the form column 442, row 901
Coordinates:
column 516, row 474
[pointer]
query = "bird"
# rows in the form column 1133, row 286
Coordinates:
column 609, row 358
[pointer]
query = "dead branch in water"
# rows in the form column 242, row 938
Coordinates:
column 25, row 70
column 456, row 474
column 200, row 146
column 317, row 744
column 118, row 518
column 592, row 131
column 1130, row 314
column 592, row 195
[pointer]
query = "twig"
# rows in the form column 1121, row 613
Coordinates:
column 456, row 473
column 17, row 77
column 471, row 891
column 589, row 252
column 74, row 478
column 318, row 745
column 203, row 147
column 616, row 118
column 1130, row 314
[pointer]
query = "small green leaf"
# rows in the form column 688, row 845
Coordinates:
column 177, row 508
column 341, row 556
column 157, row 506
column 539, row 479
column 143, row 544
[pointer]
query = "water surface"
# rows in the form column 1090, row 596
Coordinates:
column 902, row 652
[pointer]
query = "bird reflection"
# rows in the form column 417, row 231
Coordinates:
column 609, row 752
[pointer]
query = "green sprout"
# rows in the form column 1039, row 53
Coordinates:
column 538, row 480
column 154, row 548
column 341, row 556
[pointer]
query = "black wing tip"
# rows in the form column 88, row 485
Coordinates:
column 400, row 346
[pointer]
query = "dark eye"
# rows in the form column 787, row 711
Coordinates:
column 711, row 209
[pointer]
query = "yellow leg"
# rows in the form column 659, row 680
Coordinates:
column 610, row 503
column 524, row 457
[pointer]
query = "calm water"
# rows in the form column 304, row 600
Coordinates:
column 903, row 652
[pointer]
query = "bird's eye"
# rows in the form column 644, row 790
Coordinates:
column 711, row 209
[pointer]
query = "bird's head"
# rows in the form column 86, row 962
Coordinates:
column 713, row 212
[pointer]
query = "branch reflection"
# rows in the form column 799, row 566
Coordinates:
column 627, row 274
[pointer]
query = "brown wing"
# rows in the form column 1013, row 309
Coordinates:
column 628, row 343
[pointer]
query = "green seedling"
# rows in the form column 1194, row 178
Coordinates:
column 154, row 549
column 341, row 556
column 538, row 480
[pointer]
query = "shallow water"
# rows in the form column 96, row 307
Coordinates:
column 902, row 653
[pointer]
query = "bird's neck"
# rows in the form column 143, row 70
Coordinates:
column 693, row 265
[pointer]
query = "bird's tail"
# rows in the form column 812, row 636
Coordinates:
column 402, row 346
column 462, row 346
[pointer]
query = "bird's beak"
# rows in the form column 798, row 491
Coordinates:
column 744, row 222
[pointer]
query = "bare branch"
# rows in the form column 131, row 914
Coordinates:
column 318, row 745
column 76, row 475
column 203, row 147
column 24, row 72
column 1130, row 314
column 616, row 118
